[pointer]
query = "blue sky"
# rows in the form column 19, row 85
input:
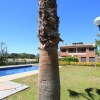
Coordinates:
column 19, row 23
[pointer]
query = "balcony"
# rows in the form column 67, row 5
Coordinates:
column 76, row 53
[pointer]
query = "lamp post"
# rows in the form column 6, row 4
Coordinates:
column 97, row 23
column 94, row 45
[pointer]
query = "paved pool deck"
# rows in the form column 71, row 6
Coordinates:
column 19, row 75
column 8, row 88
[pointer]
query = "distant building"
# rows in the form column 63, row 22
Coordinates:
column 84, row 52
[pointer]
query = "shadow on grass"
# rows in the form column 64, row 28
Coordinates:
column 89, row 94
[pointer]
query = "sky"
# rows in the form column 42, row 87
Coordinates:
column 19, row 23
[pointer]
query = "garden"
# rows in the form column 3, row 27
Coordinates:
column 77, row 83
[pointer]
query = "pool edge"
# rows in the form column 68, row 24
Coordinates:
column 19, row 75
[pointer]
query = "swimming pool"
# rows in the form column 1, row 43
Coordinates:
column 17, row 69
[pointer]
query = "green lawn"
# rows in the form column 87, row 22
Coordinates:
column 73, row 78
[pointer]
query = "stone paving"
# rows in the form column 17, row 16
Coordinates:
column 8, row 88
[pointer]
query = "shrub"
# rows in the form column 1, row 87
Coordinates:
column 3, row 60
column 74, row 63
column 63, row 63
column 98, row 64
column 90, row 64
column 69, row 59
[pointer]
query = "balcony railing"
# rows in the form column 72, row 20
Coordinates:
column 77, row 53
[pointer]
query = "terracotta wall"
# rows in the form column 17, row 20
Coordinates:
column 87, row 55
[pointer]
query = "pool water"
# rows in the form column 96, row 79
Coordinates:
column 17, row 69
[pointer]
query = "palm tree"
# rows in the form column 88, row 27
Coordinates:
column 48, row 81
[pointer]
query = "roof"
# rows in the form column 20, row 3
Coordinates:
column 78, row 45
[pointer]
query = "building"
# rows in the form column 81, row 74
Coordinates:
column 84, row 52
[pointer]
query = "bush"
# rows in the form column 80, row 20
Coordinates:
column 98, row 64
column 74, row 63
column 69, row 59
column 3, row 60
column 90, row 63
column 63, row 63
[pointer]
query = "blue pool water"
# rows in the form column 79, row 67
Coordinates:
column 17, row 69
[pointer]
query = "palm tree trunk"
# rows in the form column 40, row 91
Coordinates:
column 48, row 81
column 49, row 84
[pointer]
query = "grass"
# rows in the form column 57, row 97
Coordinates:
column 73, row 78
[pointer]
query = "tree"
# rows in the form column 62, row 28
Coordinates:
column 14, row 56
column 3, row 54
column 37, row 57
column 97, row 42
column 23, row 55
column 49, row 82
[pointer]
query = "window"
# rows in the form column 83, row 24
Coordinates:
column 91, row 49
column 63, row 50
column 92, row 59
column 83, row 59
column 81, row 50
column 72, row 50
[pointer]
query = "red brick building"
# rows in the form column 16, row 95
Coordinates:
column 84, row 52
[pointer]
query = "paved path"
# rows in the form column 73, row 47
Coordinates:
column 8, row 88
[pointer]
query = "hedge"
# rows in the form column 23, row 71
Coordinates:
column 63, row 63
